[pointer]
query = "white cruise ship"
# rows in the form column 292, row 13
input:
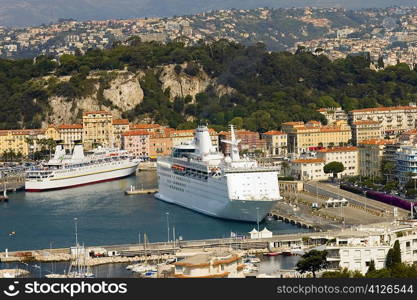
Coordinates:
column 65, row 171
column 198, row 177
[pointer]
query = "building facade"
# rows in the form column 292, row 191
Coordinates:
column 394, row 120
column 97, row 129
column 333, row 114
column 119, row 127
column 304, row 137
column 307, row 169
column 371, row 155
column 69, row 134
column 137, row 143
column 250, row 142
column 406, row 164
column 365, row 130
column 348, row 156
column 276, row 143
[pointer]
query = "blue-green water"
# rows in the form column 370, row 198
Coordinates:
column 107, row 216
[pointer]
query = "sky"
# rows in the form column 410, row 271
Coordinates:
column 36, row 12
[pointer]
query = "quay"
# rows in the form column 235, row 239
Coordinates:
column 166, row 250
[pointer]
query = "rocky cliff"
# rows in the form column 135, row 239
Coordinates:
column 123, row 92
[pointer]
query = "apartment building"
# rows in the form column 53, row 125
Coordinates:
column 333, row 114
column 69, row 134
column 307, row 169
column 304, row 137
column 137, row 142
column 250, row 142
column 371, row 155
column 186, row 136
column 348, row 156
column 119, row 127
column 394, row 120
column 355, row 250
column 97, row 129
column 276, row 143
column 160, row 144
column 406, row 163
column 366, row 130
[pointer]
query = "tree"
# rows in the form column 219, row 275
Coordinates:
column 396, row 257
column 371, row 266
column 313, row 261
column 334, row 167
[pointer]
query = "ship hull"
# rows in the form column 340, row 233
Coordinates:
column 237, row 210
column 212, row 197
column 80, row 179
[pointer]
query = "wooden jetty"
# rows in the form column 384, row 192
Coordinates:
column 134, row 191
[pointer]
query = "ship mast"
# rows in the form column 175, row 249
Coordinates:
column 234, row 143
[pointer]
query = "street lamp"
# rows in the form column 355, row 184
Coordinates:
column 167, row 214
column 257, row 217
column 76, row 232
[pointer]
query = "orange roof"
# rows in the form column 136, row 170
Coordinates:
column 409, row 132
column 308, row 160
column 377, row 142
column 144, row 126
column 384, row 108
column 338, row 149
column 135, row 132
column 103, row 112
column 70, row 126
column 293, row 123
column 121, row 122
column 321, row 109
column 275, row 132
column 365, row 122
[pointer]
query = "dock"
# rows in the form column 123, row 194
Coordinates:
column 134, row 191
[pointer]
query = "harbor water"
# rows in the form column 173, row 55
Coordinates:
column 106, row 216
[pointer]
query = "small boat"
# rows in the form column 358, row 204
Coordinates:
column 287, row 253
column 272, row 254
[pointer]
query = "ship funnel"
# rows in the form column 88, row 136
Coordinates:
column 202, row 140
column 78, row 152
column 59, row 152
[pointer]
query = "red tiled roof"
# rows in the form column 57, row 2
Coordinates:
column 391, row 108
column 377, row 142
column 135, row 132
column 338, row 149
column 121, row 122
column 144, row 126
column 308, row 161
column 70, row 126
column 103, row 112
column 365, row 122
column 275, row 132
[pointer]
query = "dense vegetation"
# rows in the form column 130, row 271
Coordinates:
column 271, row 87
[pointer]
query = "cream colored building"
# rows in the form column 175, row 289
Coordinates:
column 333, row 114
column 371, row 155
column 276, row 142
column 393, row 120
column 186, row 136
column 357, row 249
column 311, row 135
column 17, row 140
column 366, row 130
column 348, row 156
column 307, row 169
column 69, row 134
column 213, row 264
column 119, row 127
column 97, row 129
